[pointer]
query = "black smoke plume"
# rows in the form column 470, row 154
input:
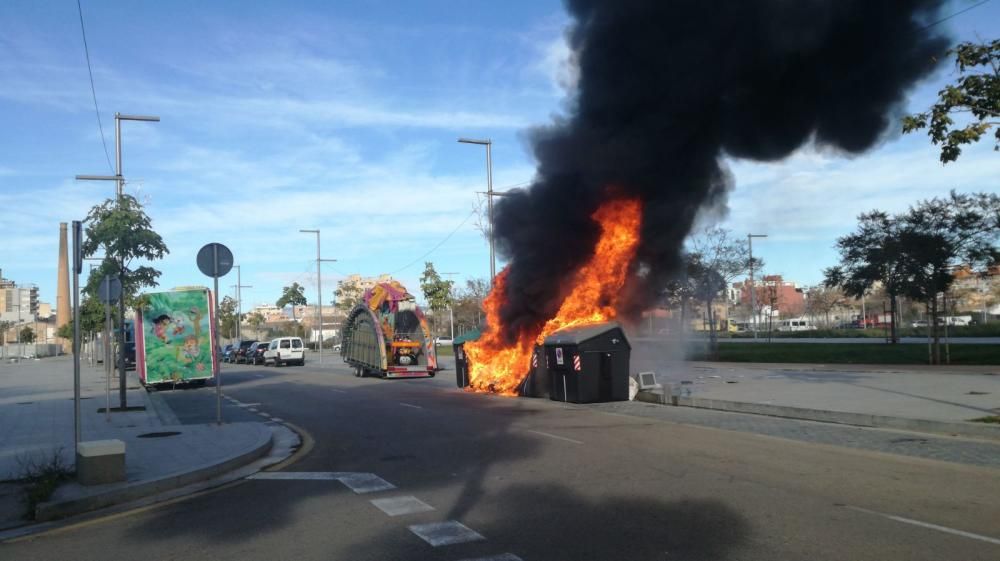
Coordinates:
column 667, row 89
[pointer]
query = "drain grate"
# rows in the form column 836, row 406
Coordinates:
column 158, row 434
column 25, row 402
column 977, row 393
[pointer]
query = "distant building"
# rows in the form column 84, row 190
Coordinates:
column 771, row 293
column 17, row 303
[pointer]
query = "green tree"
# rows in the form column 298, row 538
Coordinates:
column 27, row 334
column 227, row 316
column 255, row 319
column 975, row 96
column 716, row 259
column 293, row 295
column 942, row 234
column 91, row 318
column 348, row 294
column 125, row 233
column 436, row 291
column 874, row 254
column 467, row 305
column 4, row 327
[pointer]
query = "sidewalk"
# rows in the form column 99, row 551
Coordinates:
column 914, row 398
column 36, row 413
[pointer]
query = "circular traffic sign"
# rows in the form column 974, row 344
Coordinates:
column 110, row 289
column 215, row 260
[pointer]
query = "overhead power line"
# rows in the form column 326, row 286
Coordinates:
column 958, row 13
column 93, row 92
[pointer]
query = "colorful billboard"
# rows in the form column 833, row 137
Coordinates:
column 175, row 341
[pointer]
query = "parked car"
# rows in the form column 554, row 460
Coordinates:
column 284, row 350
column 240, row 356
column 255, row 354
column 227, row 353
column 443, row 341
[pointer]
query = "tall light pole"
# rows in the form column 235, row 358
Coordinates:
column 319, row 292
column 489, row 195
column 451, row 310
column 753, row 305
column 119, row 190
column 239, row 286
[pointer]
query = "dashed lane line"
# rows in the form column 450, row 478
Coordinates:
column 410, row 405
column 556, row 436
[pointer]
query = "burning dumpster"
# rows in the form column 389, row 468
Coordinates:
column 538, row 382
column 461, row 359
column 588, row 364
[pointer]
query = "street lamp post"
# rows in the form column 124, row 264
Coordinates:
column 750, row 238
column 319, row 292
column 451, row 308
column 119, row 190
column 239, row 286
column 489, row 195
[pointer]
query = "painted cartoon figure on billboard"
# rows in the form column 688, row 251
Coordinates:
column 176, row 336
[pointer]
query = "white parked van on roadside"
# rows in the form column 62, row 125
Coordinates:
column 797, row 324
column 284, row 350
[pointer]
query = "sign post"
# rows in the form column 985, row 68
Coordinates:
column 215, row 260
column 77, row 268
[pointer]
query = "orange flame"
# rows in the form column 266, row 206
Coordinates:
column 498, row 367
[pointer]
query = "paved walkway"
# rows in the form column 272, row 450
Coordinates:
column 938, row 394
column 36, row 413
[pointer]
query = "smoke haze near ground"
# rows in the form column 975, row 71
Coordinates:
column 666, row 90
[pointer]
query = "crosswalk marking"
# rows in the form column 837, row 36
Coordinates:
column 445, row 533
column 398, row 506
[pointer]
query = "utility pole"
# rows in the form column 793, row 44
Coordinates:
column 319, row 293
column 753, row 288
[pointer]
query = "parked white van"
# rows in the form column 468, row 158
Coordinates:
column 797, row 324
column 284, row 350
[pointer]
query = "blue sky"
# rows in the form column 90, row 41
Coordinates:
column 343, row 116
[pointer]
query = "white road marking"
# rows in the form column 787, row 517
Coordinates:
column 362, row 483
column 944, row 529
column 409, row 405
column 445, row 533
column 263, row 414
column 277, row 419
column 501, row 557
column 248, row 404
column 336, row 390
column 252, row 410
column 398, row 506
column 556, row 436
column 299, row 475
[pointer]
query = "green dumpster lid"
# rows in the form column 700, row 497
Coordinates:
column 467, row 336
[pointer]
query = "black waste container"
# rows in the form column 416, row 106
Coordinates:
column 537, row 384
column 588, row 364
column 461, row 360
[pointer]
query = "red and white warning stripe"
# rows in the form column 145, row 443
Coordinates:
column 576, row 362
column 534, row 360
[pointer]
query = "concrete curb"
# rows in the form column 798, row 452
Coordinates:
column 134, row 491
column 974, row 430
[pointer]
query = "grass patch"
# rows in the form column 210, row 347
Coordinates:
column 846, row 353
column 993, row 419
column 445, row 350
column 41, row 479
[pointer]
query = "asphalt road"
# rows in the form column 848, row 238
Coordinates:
column 543, row 480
